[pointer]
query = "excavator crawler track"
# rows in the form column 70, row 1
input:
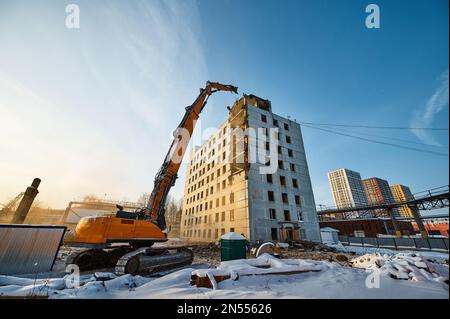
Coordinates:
column 88, row 259
column 148, row 260
column 94, row 258
column 127, row 260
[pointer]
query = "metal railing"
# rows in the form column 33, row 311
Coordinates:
column 397, row 243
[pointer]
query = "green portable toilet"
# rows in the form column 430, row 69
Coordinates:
column 232, row 246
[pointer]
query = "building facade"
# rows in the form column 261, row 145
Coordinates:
column 347, row 188
column 402, row 193
column 250, row 177
column 377, row 191
column 435, row 226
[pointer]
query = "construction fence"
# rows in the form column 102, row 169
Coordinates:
column 438, row 244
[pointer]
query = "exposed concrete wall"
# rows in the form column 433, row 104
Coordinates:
column 305, row 213
column 239, row 202
column 215, row 201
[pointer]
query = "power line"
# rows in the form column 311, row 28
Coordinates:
column 379, row 127
column 377, row 142
column 388, row 137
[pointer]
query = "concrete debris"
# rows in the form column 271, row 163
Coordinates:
column 275, row 249
column 210, row 253
column 265, row 264
column 103, row 276
column 206, row 254
column 406, row 266
column 341, row 257
column 312, row 246
column 267, row 248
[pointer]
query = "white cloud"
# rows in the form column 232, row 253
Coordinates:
column 424, row 117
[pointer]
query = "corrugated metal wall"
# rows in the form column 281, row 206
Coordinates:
column 26, row 249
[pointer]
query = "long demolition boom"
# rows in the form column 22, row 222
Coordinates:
column 167, row 174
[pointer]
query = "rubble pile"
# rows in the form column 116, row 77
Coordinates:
column 341, row 258
column 206, row 254
column 210, row 253
column 312, row 246
column 407, row 266
column 264, row 264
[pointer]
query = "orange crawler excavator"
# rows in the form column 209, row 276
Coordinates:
column 124, row 239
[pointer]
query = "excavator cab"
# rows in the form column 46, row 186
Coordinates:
column 139, row 214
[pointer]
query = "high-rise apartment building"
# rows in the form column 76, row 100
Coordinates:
column 402, row 193
column 378, row 191
column 250, row 177
column 347, row 188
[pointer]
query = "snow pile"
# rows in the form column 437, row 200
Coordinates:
column 94, row 289
column 264, row 264
column 332, row 281
column 174, row 285
column 408, row 266
column 97, row 283
column 232, row 236
column 23, row 287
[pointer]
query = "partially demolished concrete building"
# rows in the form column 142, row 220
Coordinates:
column 250, row 177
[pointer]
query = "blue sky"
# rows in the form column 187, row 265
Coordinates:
column 95, row 107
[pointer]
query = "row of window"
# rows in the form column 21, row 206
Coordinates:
column 204, row 170
column 208, row 219
column 284, row 198
column 208, row 179
column 281, row 165
column 290, row 152
column 277, row 135
column 210, row 145
column 275, row 122
column 286, row 215
column 206, row 233
column 220, row 201
column 221, row 217
column 269, row 179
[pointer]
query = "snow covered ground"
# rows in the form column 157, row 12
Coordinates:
column 421, row 279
